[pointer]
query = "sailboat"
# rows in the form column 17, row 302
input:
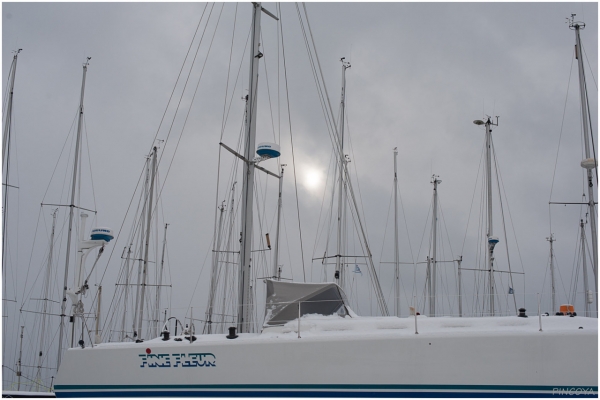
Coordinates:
column 48, row 350
column 589, row 164
column 313, row 344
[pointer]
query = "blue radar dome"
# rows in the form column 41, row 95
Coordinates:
column 105, row 234
column 269, row 150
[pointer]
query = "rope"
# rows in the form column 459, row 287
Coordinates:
column 558, row 147
column 504, row 224
column 292, row 144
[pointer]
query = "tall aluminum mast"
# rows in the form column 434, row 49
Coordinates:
column 552, row 240
column 396, row 250
column 244, row 318
column 6, row 183
column 214, row 271
column 6, row 152
column 339, row 264
column 46, row 288
column 159, row 283
column 432, row 260
column 589, row 163
column 147, row 244
column 276, row 270
column 491, row 239
column 586, row 286
column 71, row 214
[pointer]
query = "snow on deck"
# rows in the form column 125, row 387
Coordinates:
column 322, row 327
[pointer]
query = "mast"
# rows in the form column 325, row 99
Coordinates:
column 433, row 259
column 577, row 26
column 19, row 361
column 552, row 240
column 396, row 250
column 71, row 215
column 6, row 154
column 159, row 283
column 491, row 239
column 215, row 271
column 490, row 221
column 244, row 296
column 460, row 310
column 97, row 339
column 140, row 260
column 147, row 244
column 126, row 291
column 276, row 270
column 45, row 297
column 6, row 185
column 586, row 286
column 339, row 265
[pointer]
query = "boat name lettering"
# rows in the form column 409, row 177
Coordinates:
column 183, row 360
column 570, row 391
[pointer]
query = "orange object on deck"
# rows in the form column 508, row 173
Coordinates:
column 567, row 308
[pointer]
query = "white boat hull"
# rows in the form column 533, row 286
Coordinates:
column 387, row 362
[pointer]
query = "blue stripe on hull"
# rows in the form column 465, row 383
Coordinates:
column 376, row 391
column 209, row 393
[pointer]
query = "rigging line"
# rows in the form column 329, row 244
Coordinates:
column 356, row 174
column 31, row 255
column 268, row 89
column 446, row 227
column 406, row 227
column 365, row 247
column 498, row 178
column 587, row 99
column 159, row 195
column 589, row 116
column 387, row 220
column 575, row 269
column 113, row 248
column 189, row 74
column 425, row 229
column 328, row 213
column 559, row 140
column 228, row 73
column 226, row 117
column 335, row 137
column 193, row 96
column 591, row 70
column 292, row 144
column 472, row 199
column 560, row 276
column 87, row 142
column 327, row 114
column 278, row 8
column 179, row 76
column 23, row 376
column 7, row 86
column 59, row 157
column 511, row 220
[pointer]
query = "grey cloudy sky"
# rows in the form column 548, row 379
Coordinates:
column 421, row 73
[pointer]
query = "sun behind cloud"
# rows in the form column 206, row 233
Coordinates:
column 312, row 179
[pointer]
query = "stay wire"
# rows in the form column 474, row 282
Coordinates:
column 153, row 141
column 558, row 147
column 292, row 144
column 504, row 224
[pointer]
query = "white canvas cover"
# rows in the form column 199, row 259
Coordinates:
column 284, row 298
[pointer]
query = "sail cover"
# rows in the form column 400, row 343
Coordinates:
column 284, row 298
